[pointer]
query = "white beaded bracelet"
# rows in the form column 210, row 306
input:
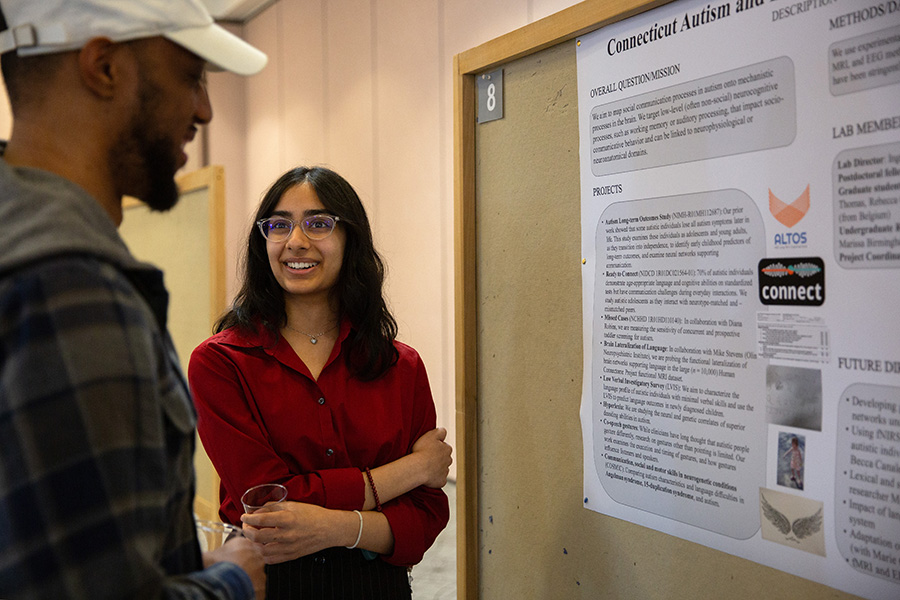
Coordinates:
column 359, row 535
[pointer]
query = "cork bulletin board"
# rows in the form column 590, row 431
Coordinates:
column 523, row 531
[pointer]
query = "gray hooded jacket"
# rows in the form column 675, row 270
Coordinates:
column 96, row 422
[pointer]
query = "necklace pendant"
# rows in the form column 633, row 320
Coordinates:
column 313, row 339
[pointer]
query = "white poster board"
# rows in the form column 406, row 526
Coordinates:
column 740, row 181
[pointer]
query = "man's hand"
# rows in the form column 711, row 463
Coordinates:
column 247, row 556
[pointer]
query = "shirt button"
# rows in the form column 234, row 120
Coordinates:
column 321, row 400
column 320, row 560
column 329, row 452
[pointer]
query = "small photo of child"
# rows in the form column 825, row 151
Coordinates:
column 791, row 454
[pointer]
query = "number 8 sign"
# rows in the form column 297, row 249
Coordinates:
column 490, row 96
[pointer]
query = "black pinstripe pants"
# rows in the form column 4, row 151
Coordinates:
column 337, row 574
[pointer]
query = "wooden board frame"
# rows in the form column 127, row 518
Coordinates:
column 558, row 28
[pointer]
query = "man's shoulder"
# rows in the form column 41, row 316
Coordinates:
column 70, row 292
column 45, row 216
column 70, row 274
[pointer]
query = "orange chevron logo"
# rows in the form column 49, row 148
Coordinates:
column 789, row 214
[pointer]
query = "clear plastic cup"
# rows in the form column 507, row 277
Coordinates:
column 261, row 495
column 212, row 534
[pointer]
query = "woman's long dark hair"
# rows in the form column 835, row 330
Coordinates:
column 358, row 291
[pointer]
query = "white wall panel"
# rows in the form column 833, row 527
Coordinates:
column 264, row 137
column 349, row 94
column 302, row 77
column 469, row 23
column 226, row 147
column 545, row 8
column 408, row 169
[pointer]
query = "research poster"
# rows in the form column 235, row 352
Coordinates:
column 740, row 184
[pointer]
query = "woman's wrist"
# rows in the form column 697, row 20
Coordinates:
column 418, row 469
column 359, row 533
column 371, row 482
column 350, row 528
column 393, row 479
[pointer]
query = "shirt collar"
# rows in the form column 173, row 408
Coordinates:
column 280, row 350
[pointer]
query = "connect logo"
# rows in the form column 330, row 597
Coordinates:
column 793, row 281
column 789, row 214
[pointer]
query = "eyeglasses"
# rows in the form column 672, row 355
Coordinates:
column 316, row 227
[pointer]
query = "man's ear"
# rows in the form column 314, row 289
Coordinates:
column 100, row 64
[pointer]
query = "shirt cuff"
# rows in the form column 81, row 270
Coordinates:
column 406, row 529
column 227, row 580
column 344, row 488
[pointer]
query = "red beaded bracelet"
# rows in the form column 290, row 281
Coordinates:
column 374, row 491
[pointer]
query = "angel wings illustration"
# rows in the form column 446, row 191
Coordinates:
column 802, row 527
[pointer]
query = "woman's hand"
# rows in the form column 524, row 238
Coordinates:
column 427, row 464
column 435, row 455
column 289, row 530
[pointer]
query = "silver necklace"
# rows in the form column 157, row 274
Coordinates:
column 313, row 339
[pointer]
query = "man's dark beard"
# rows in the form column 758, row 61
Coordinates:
column 144, row 159
column 162, row 192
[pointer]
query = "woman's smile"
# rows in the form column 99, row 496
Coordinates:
column 300, row 265
column 305, row 267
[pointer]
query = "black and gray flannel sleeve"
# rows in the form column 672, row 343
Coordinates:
column 96, row 443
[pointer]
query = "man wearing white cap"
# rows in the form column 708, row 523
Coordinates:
column 96, row 421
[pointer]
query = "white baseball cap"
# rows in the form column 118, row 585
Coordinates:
column 48, row 26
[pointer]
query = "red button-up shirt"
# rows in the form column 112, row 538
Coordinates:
column 263, row 418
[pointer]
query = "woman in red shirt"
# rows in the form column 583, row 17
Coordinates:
column 304, row 385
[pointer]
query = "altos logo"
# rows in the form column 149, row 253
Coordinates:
column 791, row 238
column 789, row 214
column 794, row 281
